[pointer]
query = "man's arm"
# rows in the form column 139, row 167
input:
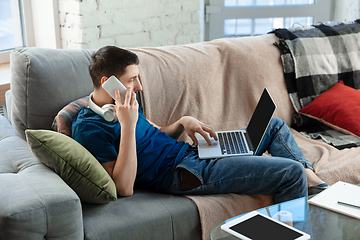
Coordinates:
column 123, row 170
column 191, row 126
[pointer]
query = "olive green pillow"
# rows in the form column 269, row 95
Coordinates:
column 74, row 164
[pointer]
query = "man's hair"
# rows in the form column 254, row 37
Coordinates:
column 108, row 61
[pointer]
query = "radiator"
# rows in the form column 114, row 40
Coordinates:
column 3, row 110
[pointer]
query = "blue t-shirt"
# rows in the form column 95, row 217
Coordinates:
column 157, row 153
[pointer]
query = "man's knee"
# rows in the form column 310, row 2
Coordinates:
column 298, row 172
column 277, row 122
column 295, row 183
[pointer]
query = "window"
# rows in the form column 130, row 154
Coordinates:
column 237, row 18
column 15, row 26
column 259, row 26
column 238, row 3
column 11, row 35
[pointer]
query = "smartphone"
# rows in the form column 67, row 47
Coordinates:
column 113, row 83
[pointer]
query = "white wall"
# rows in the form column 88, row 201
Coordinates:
column 346, row 10
column 130, row 23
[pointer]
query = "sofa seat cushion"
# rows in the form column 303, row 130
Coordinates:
column 144, row 215
column 34, row 202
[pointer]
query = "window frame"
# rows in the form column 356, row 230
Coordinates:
column 216, row 13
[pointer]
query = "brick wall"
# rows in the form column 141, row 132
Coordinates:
column 130, row 23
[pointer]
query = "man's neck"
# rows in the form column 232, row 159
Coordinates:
column 101, row 98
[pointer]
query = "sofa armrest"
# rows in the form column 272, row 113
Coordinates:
column 35, row 203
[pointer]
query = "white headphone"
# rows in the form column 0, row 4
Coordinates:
column 107, row 111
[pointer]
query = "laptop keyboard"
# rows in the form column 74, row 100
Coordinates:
column 232, row 143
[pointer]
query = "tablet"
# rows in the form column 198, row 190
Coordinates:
column 257, row 226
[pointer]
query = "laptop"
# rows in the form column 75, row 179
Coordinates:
column 240, row 142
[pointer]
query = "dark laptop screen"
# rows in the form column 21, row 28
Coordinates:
column 260, row 119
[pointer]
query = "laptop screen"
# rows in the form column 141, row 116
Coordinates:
column 260, row 118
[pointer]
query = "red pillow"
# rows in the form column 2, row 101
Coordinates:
column 338, row 107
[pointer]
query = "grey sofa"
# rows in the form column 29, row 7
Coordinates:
column 218, row 82
column 35, row 203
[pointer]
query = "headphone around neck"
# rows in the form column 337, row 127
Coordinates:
column 107, row 111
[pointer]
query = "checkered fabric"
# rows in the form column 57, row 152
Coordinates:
column 314, row 59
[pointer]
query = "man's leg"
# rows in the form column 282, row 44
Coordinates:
column 249, row 175
column 279, row 141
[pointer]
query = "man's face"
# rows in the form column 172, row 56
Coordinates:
column 131, row 78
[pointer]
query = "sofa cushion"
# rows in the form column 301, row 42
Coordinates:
column 144, row 215
column 75, row 165
column 35, row 203
column 337, row 107
column 63, row 120
column 45, row 80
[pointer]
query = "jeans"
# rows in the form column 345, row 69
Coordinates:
column 281, row 174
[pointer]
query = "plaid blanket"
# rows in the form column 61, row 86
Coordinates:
column 316, row 58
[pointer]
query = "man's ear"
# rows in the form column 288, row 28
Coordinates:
column 103, row 79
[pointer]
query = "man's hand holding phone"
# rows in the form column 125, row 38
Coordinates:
column 125, row 101
column 127, row 112
column 113, row 83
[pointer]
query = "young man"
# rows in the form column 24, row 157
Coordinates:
column 135, row 151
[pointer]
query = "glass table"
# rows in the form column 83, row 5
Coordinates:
column 318, row 222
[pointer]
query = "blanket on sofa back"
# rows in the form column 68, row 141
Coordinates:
column 220, row 82
column 314, row 59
